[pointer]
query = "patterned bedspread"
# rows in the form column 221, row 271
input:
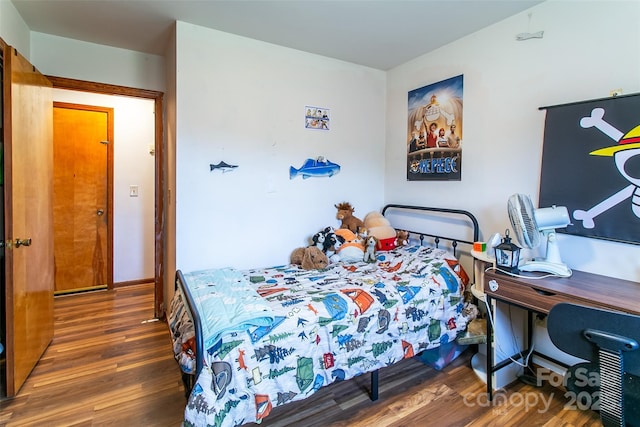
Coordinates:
column 328, row 325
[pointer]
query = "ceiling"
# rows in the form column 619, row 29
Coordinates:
column 381, row 34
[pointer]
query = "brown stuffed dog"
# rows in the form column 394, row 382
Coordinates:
column 309, row 258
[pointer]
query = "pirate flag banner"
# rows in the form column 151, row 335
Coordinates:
column 591, row 165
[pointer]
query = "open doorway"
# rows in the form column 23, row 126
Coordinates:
column 156, row 149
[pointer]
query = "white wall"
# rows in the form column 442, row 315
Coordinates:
column 588, row 49
column 239, row 100
column 242, row 101
column 133, row 222
column 74, row 59
column 13, row 29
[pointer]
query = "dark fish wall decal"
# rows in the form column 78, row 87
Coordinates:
column 223, row 166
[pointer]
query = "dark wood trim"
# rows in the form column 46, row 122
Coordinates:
column 160, row 186
column 109, row 89
column 103, row 88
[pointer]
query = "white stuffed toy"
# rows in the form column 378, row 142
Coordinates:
column 351, row 250
column 370, row 245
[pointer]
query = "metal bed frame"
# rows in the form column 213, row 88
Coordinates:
column 189, row 379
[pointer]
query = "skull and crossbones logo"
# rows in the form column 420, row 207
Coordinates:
column 628, row 147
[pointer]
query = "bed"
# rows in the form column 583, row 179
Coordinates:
column 248, row 341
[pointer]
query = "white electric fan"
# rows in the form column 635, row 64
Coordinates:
column 531, row 225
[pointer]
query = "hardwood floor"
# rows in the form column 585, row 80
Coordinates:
column 105, row 366
column 109, row 366
column 413, row 395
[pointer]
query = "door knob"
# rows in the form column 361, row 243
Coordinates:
column 23, row 242
column 100, row 212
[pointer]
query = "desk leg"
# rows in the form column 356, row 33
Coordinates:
column 529, row 333
column 529, row 329
column 489, row 349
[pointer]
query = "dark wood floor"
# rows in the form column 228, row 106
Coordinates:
column 109, row 366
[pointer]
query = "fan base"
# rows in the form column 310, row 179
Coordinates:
column 557, row 269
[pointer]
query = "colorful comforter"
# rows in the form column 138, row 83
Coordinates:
column 327, row 325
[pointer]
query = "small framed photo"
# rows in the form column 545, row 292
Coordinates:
column 317, row 118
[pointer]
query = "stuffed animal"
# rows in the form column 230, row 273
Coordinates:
column 319, row 240
column 370, row 245
column 362, row 234
column 351, row 250
column 332, row 246
column 309, row 258
column 402, row 238
column 470, row 311
column 380, row 227
column 345, row 214
column 477, row 326
column 297, row 255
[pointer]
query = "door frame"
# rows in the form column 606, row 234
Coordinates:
column 110, row 143
column 157, row 97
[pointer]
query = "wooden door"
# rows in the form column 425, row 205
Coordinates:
column 28, row 190
column 81, row 202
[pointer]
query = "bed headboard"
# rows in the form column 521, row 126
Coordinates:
column 439, row 227
column 454, row 226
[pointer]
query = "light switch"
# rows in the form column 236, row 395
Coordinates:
column 133, row 191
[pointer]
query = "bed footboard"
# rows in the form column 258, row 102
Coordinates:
column 180, row 287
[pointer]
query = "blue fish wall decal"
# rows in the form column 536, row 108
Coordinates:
column 315, row 168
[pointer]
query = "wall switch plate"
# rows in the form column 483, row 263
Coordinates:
column 133, row 191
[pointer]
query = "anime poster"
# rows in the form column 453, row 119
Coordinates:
column 434, row 132
column 316, row 118
column 591, row 165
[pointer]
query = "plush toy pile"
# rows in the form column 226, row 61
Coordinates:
column 354, row 241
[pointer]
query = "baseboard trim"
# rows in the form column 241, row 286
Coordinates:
column 79, row 290
column 133, row 282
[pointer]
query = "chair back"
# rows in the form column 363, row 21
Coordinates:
column 608, row 340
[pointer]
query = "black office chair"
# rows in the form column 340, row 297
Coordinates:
column 608, row 341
